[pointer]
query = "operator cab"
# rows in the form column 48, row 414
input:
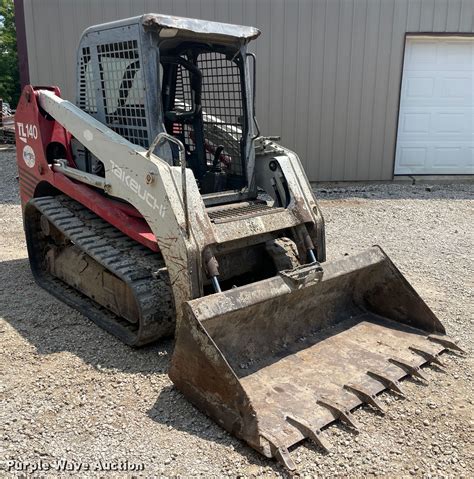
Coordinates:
column 189, row 78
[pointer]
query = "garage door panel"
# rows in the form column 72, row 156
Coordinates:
column 453, row 160
column 439, row 55
column 457, row 85
column 457, row 54
column 451, row 123
column 416, row 123
column 422, row 55
column 436, row 88
column 412, row 157
column 447, row 157
column 436, row 118
column 441, row 158
column 434, row 124
column 420, row 87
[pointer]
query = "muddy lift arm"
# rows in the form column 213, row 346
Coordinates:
column 273, row 342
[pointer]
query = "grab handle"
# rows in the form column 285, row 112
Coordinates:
column 160, row 138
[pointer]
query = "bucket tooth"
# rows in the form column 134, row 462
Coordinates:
column 409, row 368
column 339, row 412
column 280, row 453
column 309, row 432
column 387, row 382
column 283, row 457
column 446, row 342
column 427, row 356
column 366, row 397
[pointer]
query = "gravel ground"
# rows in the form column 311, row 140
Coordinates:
column 72, row 392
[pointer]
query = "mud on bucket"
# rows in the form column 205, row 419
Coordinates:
column 275, row 361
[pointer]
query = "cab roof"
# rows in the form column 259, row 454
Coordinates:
column 169, row 26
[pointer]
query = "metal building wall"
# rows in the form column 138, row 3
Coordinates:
column 329, row 71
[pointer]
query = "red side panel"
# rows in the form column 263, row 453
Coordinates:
column 34, row 132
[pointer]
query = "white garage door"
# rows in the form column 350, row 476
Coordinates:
column 436, row 120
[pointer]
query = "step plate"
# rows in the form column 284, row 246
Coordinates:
column 249, row 210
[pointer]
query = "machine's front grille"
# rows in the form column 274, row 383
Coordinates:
column 224, row 214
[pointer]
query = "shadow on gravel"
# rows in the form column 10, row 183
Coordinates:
column 51, row 327
column 172, row 409
column 9, row 192
column 9, row 183
column 395, row 191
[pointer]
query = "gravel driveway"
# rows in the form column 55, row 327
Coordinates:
column 73, row 392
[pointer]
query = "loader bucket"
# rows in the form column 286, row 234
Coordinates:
column 276, row 361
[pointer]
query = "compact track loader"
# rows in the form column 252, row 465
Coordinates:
column 154, row 206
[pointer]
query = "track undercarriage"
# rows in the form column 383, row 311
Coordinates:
column 89, row 264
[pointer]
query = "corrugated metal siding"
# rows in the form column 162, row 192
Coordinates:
column 328, row 75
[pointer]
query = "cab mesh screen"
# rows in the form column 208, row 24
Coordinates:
column 87, row 93
column 222, row 109
column 123, row 90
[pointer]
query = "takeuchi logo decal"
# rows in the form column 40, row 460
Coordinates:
column 142, row 193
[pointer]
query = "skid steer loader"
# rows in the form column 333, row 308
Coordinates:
column 154, row 206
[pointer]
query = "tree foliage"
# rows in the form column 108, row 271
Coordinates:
column 9, row 76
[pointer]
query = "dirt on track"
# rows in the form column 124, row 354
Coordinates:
column 71, row 392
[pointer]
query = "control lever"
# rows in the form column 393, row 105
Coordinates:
column 217, row 154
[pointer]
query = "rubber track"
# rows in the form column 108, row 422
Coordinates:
column 142, row 269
